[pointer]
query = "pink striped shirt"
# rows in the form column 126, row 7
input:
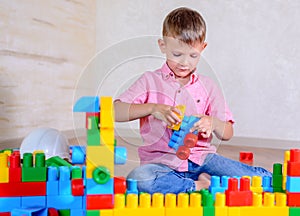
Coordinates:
column 200, row 96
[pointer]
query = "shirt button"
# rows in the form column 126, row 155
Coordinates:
column 198, row 101
column 178, row 91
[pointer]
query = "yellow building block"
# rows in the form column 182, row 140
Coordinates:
column 143, row 207
column 107, row 136
column 220, row 205
column 107, row 116
column 268, row 209
column 99, row 156
column 256, row 185
column 181, row 108
column 106, row 212
column 185, row 205
column 4, row 173
column 234, row 211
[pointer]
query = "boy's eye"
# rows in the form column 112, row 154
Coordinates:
column 194, row 55
column 176, row 54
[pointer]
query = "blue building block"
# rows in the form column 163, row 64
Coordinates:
column 7, row 204
column 132, row 186
column 33, row 202
column 93, row 188
column 87, row 104
column 77, row 212
column 293, row 184
column 266, row 184
column 52, row 182
column 64, row 182
column 78, row 154
column 120, row 155
column 218, row 186
column 30, row 212
column 64, row 202
column 178, row 136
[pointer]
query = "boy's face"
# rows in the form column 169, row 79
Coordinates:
column 182, row 58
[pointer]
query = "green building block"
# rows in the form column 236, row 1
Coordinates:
column 93, row 137
column 207, row 203
column 76, row 173
column 64, row 212
column 93, row 123
column 277, row 177
column 37, row 173
column 57, row 161
column 294, row 211
column 92, row 213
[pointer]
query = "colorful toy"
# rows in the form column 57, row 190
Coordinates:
column 94, row 190
column 246, row 157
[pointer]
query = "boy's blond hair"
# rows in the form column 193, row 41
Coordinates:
column 185, row 24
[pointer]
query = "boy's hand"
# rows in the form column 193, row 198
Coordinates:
column 166, row 113
column 204, row 126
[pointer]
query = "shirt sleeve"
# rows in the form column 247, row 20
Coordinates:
column 137, row 93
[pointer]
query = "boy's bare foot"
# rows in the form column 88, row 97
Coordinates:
column 203, row 182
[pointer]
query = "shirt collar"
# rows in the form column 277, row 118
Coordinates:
column 167, row 74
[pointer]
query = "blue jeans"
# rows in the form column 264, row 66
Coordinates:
column 152, row 178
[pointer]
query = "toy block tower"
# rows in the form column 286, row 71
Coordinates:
column 239, row 197
column 293, row 179
column 101, row 185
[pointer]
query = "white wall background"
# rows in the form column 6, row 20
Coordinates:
column 253, row 53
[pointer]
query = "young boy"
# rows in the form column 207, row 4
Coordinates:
column 153, row 98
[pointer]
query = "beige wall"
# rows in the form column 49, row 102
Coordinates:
column 44, row 46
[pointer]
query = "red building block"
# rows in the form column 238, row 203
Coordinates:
column 13, row 189
column 96, row 202
column 293, row 199
column 15, row 170
column 5, row 214
column 246, row 157
column 77, row 187
column 293, row 166
column 52, row 212
column 242, row 197
column 119, row 185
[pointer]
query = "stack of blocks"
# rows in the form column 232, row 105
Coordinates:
column 53, row 187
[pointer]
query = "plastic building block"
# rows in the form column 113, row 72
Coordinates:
column 36, row 173
column 33, row 201
column 135, row 208
column 92, row 213
column 52, row 212
column 57, row 161
column 107, row 113
column 177, row 139
column 93, row 187
column 30, row 212
column 16, row 189
column 64, row 181
column 65, row 202
column 256, row 184
column 132, row 186
column 77, row 187
column 293, row 167
column 293, row 199
column 186, row 204
column 78, row 154
column 99, row 156
column 4, row 177
column 52, row 183
column 87, row 104
column 120, row 155
column 15, row 171
column 96, row 202
column 107, row 136
column 119, row 185
column 246, row 157
column 92, row 121
column 277, row 178
column 207, row 203
column 293, row 184
column 7, row 204
column 220, row 205
column 181, row 108
column 266, row 184
column 101, row 175
column 76, row 173
column 217, row 186
column 93, row 137
column 294, row 211
column 64, row 212
column 242, row 197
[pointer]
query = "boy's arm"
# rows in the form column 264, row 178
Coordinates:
column 127, row 112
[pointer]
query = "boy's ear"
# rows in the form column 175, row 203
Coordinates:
column 162, row 45
column 204, row 45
